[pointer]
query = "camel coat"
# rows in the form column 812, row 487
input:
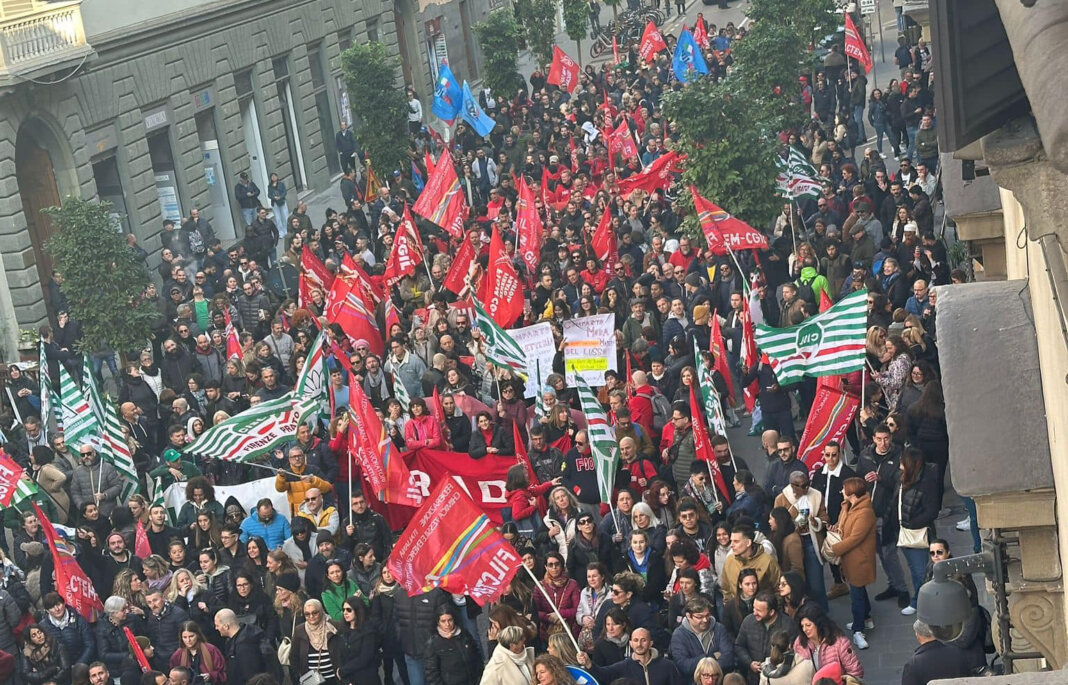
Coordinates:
column 857, row 550
column 788, row 501
column 51, row 480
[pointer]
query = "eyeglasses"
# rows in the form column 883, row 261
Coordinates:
column 616, row 591
column 313, row 612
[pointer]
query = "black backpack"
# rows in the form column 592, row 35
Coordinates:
column 805, row 291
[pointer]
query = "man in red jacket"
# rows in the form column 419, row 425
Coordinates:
column 641, row 404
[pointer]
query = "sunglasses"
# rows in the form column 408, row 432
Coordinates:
column 552, row 564
column 938, row 553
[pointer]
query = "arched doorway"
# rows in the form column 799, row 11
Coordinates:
column 44, row 168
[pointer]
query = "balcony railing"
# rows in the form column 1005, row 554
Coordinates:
column 46, row 36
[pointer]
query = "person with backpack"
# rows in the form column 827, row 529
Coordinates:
column 636, row 473
column 811, row 283
column 648, row 407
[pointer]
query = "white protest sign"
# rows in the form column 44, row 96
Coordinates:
column 246, row 493
column 537, row 341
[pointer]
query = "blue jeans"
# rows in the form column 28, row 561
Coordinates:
column 858, row 116
column 98, row 367
column 977, row 543
column 817, row 587
column 861, row 606
column 917, row 562
column 416, row 674
column 249, row 214
column 910, row 131
column 880, row 131
column 890, row 561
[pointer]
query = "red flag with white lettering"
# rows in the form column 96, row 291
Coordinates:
column 349, row 310
column 700, row 34
column 564, row 71
column 442, row 202
column 528, row 227
column 71, row 582
column 854, row 45
column 652, row 43
column 703, row 446
column 620, row 141
column 723, row 231
column 461, row 267
column 453, row 545
column 831, row 415
column 501, row 290
column 379, row 459
column 10, row 475
column 315, row 270
column 656, row 176
column 142, row 548
column 407, row 252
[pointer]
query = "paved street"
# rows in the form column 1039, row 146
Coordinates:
column 892, row 641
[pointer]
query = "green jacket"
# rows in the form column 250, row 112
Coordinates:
column 166, row 478
column 335, row 595
column 927, row 143
column 816, row 281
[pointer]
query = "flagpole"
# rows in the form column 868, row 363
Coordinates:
column 563, row 623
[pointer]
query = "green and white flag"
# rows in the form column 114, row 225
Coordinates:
column 603, row 443
column 501, row 349
column 400, row 393
column 828, row 344
column 250, row 433
column 797, row 178
column 709, row 396
column 539, row 398
column 113, row 449
column 48, row 395
column 79, row 421
column 311, row 391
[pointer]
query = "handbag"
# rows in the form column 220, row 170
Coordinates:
column 911, row 538
column 312, row 677
column 285, row 648
column 832, row 539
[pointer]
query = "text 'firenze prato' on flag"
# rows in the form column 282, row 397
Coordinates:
column 450, row 543
column 250, row 433
column 827, row 344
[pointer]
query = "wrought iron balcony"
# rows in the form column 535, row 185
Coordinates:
column 39, row 38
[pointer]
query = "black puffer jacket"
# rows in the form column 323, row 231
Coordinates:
column 244, row 657
column 452, row 661
column 135, row 389
column 416, row 619
column 111, row 644
column 358, row 650
column 919, row 502
column 164, row 630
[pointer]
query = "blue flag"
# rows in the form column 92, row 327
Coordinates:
column 417, row 179
column 473, row 114
column 688, row 57
column 447, row 95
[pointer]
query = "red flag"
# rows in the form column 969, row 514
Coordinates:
column 315, row 270
column 564, row 71
column 10, row 475
column 372, row 184
column 392, row 316
column 620, row 141
column 528, row 227
column 830, row 417
column 656, row 176
column 854, row 45
column 546, row 197
column 719, row 351
column 138, row 653
column 407, row 252
column 453, row 545
column 521, row 454
column 652, row 43
column 461, row 267
column 434, row 405
column 370, row 291
column 700, row 34
column 702, row 445
column 379, row 459
column 442, row 202
column 604, row 243
column 501, row 290
column 233, row 343
column 71, row 582
column 349, row 311
column 724, row 232
column 573, row 153
column 825, row 301
column 141, row 547
column 749, row 354
column 615, row 50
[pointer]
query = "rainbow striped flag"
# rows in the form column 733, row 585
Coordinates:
column 832, row 412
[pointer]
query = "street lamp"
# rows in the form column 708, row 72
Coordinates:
column 943, row 603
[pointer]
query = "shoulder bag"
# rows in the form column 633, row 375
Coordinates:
column 913, row 538
column 832, row 539
column 286, row 646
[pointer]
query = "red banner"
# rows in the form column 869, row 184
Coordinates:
column 407, row 251
column 441, row 202
column 604, row 243
column 461, row 267
column 652, row 43
column 10, row 475
column 620, row 141
column 454, row 546
column 233, row 343
column 657, row 176
column 315, row 270
column 564, row 71
column 832, row 412
column 501, row 290
column 723, row 231
column 703, row 446
column 854, row 45
column 528, row 227
column 348, row 309
column 371, row 290
column 142, row 548
column 700, row 34
column 615, row 50
column 71, row 582
column 749, row 355
column 719, row 352
column 378, row 458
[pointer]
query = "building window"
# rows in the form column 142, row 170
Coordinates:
column 243, row 83
column 372, row 30
column 315, row 65
column 344, row 39
column 280, row 66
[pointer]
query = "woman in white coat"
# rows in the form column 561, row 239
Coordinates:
column 512, row 662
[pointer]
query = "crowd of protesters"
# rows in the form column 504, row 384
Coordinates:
column 673, row 580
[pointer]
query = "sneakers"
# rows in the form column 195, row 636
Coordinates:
column 860, row 641
column 964, row 524
column 903, row 600
column 869, row 624
column 888, row 593
column 838, row 590
column 908, row 611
